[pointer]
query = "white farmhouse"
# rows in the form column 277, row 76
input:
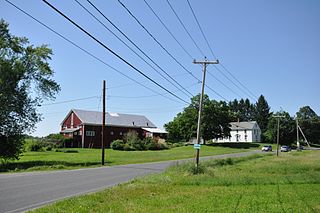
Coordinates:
column 243, row 132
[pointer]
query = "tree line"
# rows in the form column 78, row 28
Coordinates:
column 217, row 115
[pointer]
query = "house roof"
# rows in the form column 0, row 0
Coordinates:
column 155, row 130
column 112, row 119
column 243, row 125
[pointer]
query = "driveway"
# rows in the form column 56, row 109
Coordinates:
column 24, row 191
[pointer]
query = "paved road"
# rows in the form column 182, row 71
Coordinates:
column 24, row 191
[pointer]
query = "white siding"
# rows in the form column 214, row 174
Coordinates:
column 243, row 135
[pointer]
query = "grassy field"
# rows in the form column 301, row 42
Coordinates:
column 288, row 183
column 51, row 160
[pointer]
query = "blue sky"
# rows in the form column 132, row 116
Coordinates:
column 272, row 47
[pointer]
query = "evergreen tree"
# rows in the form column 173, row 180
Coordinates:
column 262, row 113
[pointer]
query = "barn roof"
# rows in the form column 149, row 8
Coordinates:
column 243, row 125
column 112, row 119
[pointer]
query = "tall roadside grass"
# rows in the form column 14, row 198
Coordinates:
column 288, row 183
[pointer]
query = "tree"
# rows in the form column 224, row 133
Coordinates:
column 243, row 109
column 262, row 113
column 309, row 122
column 286, row 129
column 216, row 119
column 214, row 123
column 25, row 81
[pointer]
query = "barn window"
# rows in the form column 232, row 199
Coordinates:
column 90, row 133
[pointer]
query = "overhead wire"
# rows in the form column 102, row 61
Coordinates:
column 148, row 32
column 248, row 92
column 186, row 92
column 205, row 38
column 111, row 51
column 85, row 51
column 184, row 49
column 185, row 29
column 72, row 100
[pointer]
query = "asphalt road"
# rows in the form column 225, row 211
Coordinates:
column 20, row 192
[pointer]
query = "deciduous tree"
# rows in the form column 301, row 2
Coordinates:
column 25, row 81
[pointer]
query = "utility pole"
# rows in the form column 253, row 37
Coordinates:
column 204, row 68
column 103, row 119
column 299, row 128
column 278, row 117
column 298, row 143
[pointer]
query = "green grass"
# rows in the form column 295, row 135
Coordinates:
column 288, row 183
column 51, row 160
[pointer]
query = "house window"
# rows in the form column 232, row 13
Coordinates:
column 90, row 133
column 120, row 133
column 80, row 132
column 111, row 133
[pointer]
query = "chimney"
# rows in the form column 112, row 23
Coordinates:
column 133, row 123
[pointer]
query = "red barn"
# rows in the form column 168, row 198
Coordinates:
column 85, row 127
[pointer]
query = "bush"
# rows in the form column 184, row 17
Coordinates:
column 127, row 147
column 34, row 146
column 157, row 145
column 117, row 145
column 132, row 142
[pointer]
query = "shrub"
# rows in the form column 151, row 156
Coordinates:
column 117, row 145
column 127, row 147
column 34, row 146
column 157, row 145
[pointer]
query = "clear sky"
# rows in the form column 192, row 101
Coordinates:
column 272, row 47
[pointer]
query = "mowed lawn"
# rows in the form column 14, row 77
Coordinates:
column 51, row 160
column 288, row 183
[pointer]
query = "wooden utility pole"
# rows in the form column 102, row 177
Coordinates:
column 204, row 68
column 299, row 128
column 278, row 117
column 103, row 119
column 298, row 143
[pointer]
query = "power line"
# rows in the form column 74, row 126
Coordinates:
column 184, row 27
column 232, row 82
column 73, row 100
column 85, row 51
column 163, row 24
column 184, row 49
column 195, row 17
column 143, row 96
column 221, row 82
column 182, row 90
column 255, row 97
column 147, row 31
column 136, row 19
column 111, row 51
column 205, row 38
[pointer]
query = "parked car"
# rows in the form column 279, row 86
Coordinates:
column 285, row 149
column 266, row 148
